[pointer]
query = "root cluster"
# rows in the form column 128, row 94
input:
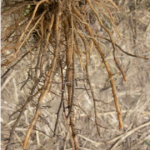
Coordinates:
column 59, row 34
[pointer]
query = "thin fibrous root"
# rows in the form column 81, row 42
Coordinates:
column 48, row 81
column 89, row 29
